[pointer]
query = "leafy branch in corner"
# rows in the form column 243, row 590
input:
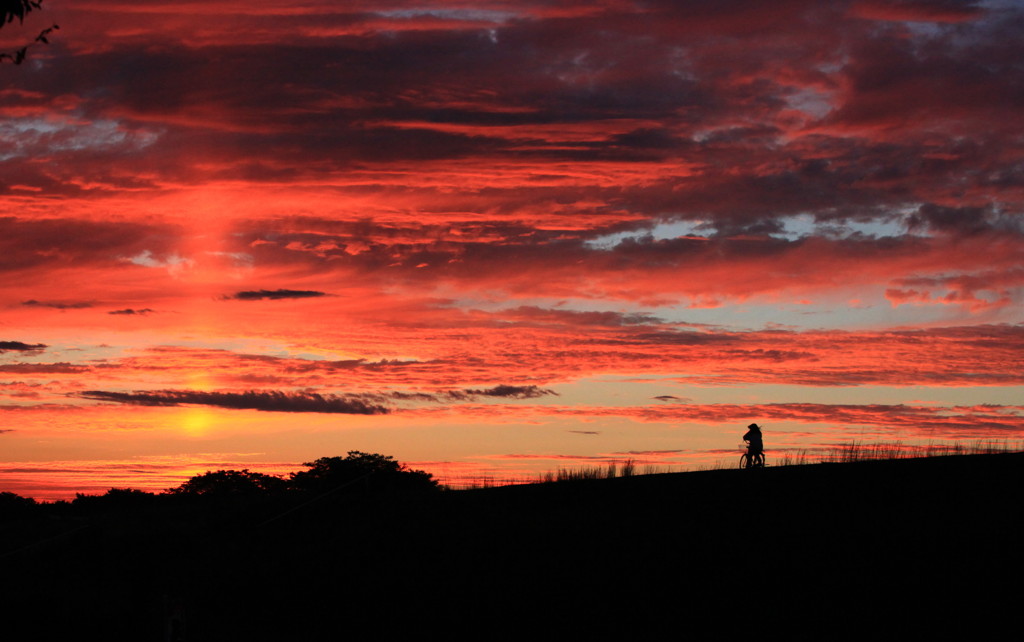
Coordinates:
column 18, row 9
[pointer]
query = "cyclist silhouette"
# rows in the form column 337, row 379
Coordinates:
column 755, row 444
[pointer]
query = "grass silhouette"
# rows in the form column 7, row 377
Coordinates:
column 612, row 470
column 851, row 452
column 855, row 451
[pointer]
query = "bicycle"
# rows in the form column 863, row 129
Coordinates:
column 753, row 461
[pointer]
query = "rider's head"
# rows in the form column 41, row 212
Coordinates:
column 754, row 427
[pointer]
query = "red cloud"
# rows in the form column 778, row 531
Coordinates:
column 917, row 10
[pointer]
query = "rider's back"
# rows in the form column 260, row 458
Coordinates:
column 753, row 437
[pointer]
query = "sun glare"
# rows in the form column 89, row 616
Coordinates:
column 196, row 422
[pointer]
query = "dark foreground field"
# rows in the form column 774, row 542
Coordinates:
column 890, row 549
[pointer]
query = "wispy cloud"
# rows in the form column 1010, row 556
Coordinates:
column 132, row 311
column 59, row 305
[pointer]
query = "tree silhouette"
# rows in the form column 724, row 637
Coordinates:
column 116, row 499
column 223, row 483
column 15, row 505
column 11, row 10
column 362, row 470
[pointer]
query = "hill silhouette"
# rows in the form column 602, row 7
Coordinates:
column 827, row 550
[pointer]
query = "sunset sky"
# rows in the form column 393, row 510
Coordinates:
column 497, row 238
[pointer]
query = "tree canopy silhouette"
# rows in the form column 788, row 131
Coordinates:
column 11, row 10
column 222, row 483
column 370, row 470
column 358, row 470
column 115, row 499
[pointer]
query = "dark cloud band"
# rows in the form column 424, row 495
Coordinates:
column 132, row 311
column 273, row 295
column 274, row 401
column 19, row 346
column 58, row 305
